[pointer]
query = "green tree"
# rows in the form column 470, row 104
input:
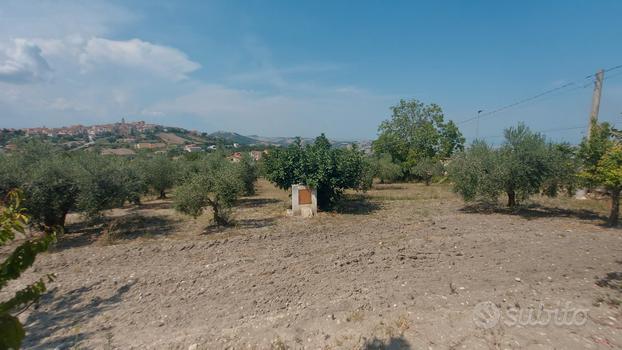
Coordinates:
column 50, row 190
column 160, row 173
column 426, row 169
column 385, row 169
column 519, row 168
column 248, row 173
column 13, row 219
column 476, row 173
column 101, row 183
column 525, row 162
column 329, row 170
column 564, row 166
column 216, row 184
column 55, row 182
column 602, row 164
column 417, row 131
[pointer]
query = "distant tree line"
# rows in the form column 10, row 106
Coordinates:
column 55, row 182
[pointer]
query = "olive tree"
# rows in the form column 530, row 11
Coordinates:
column 55, row 182
column 159, row 172
column 216, row 184
column 519, row 168
column 329, row 170
column 426, row 169
column 385, row 169
column 248, row 173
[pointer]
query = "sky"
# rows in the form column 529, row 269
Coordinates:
column 300, row 68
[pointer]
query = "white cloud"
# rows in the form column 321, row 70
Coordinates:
column 162, row 60
column 22, row 62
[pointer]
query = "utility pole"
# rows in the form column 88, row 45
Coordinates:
column 598, row 87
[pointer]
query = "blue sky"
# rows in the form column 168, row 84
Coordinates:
column 284, row 68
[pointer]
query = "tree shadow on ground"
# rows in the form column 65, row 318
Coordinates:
column 357, row 204
column 612, row 280
column 535, row 211
column 240, row 224
column 394, row 343
column 256, row 202
column 125, row 227
column 382, row 187
column 64, row 313
column 153, row 205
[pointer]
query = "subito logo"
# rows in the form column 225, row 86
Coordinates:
column 486, row 315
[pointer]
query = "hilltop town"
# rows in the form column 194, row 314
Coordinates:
column 126, row 138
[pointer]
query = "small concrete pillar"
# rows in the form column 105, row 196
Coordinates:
column 304, row 201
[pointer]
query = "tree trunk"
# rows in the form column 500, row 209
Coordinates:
column 615, row 208
column 162, row 194
column 511, row 198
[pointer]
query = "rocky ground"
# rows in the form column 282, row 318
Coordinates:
column 404, row 269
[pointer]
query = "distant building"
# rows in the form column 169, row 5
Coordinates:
column 236, row 145
column 256, row 155
column 236, row 157
column 192, row 148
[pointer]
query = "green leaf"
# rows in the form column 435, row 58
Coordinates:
column 11, row 332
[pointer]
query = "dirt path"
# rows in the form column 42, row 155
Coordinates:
column 405, row 271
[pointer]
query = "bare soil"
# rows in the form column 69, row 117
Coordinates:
column 400, row 267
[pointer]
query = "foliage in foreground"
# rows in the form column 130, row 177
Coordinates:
column 12, row 220
column 524, row 165
column 329, row 170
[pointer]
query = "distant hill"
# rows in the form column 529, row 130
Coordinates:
column 125, row 134
column 232, row 137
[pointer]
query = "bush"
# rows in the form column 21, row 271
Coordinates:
column 329, row 170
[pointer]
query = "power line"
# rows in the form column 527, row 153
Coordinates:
column 579, row 85
column 545, row 131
